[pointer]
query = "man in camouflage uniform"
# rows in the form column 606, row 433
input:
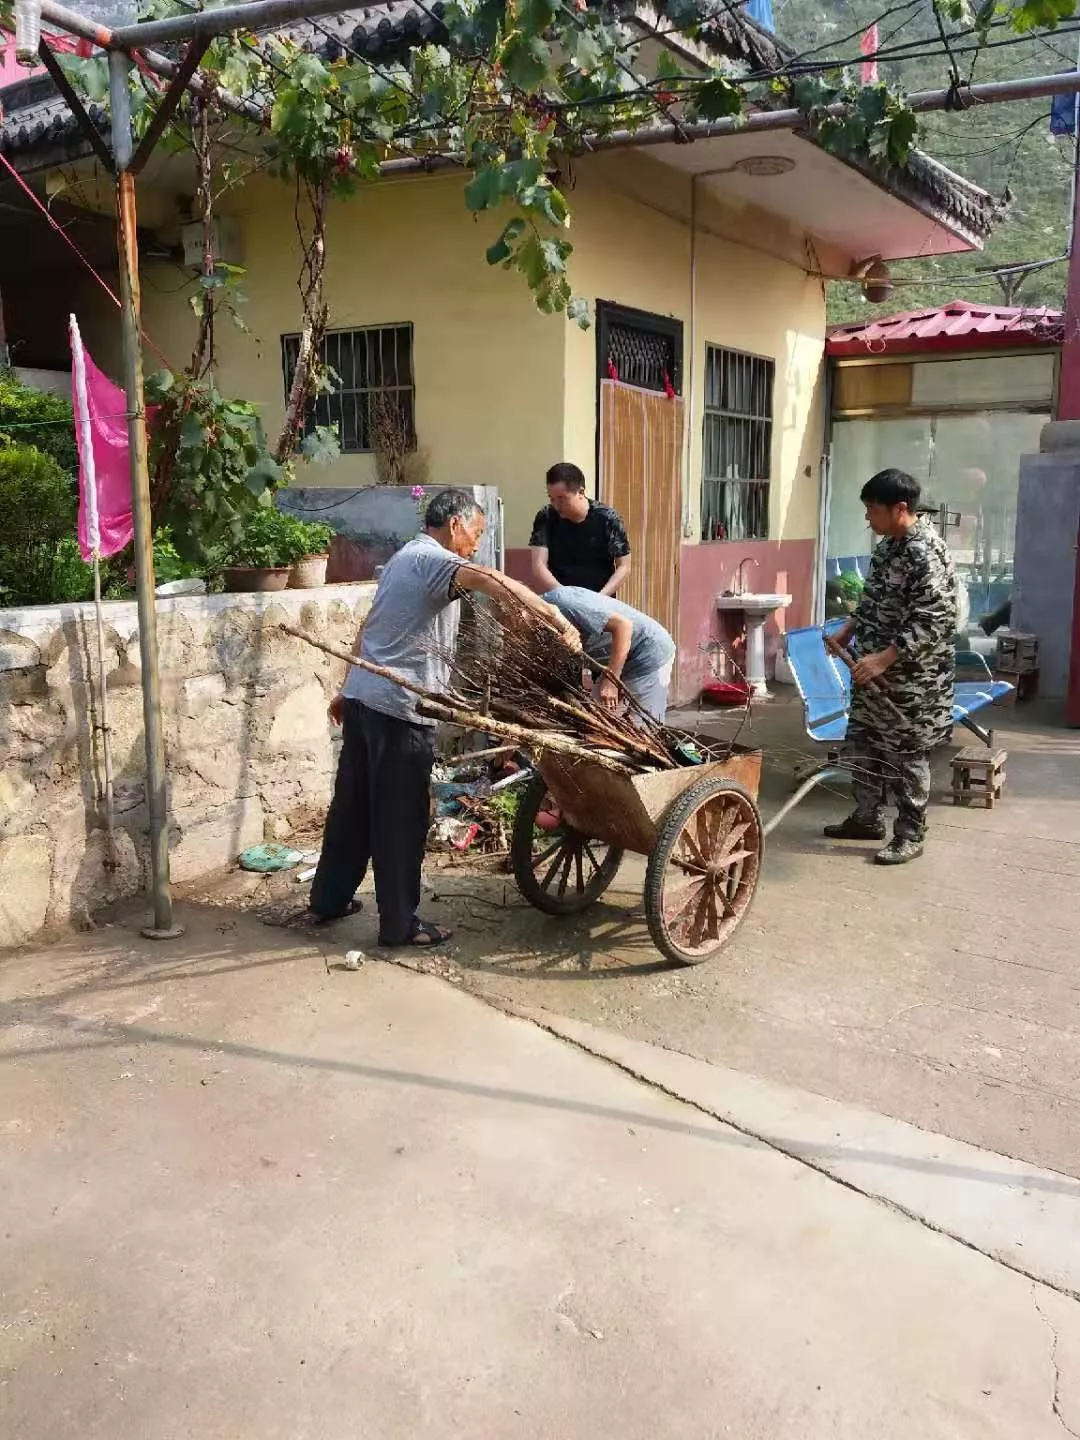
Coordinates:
column 904, row 632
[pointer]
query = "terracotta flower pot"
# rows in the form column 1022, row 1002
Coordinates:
column 246, row 579
column 309, row 572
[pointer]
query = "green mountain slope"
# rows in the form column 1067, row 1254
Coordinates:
column 998, row 147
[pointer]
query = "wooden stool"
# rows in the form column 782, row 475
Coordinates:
column 978, row 776
column 1025, row 685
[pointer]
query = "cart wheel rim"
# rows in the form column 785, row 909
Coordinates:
column 559, row 869
column 711, row 873
column 567, row 864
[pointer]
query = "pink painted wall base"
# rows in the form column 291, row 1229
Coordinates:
column 785, row 568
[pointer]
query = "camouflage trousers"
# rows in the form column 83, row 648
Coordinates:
column 880, row 773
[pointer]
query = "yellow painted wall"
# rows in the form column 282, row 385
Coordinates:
column 632, row 246
column 488, row 366
column 501, row 391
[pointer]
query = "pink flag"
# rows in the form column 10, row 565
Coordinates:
column 104, row 479
column 868, row 46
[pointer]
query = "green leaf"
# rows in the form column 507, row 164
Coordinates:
column 485, row 189
column 534, row 16
column 191, row 432
column 321, row 446
column 158, row 385
column 503, row 248
column 718, row 99
column 91, row 75
column 902, row 132
column 577, row 310
column 527, row 61
column 264, row 475
column 520, row 174
column 554, row 256
column 532, row 262
column 586, row 50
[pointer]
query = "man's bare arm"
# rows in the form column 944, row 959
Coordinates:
column 543, row 579
column 622, row 633
column 500, row 587
column 618, row 576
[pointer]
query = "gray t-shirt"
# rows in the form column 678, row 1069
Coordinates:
column 406, row 629
column 650, row 645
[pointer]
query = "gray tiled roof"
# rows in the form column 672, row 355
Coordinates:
column 38, row 128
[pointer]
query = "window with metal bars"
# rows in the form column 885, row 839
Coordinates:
column 736, row 445
column 374, row 367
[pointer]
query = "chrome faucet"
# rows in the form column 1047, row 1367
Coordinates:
column 739, row 586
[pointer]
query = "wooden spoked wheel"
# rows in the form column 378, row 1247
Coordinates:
column 703, row 873
column 557, row 868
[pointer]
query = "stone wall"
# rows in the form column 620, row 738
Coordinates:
column 248, row 746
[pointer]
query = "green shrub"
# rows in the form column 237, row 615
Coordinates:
column 168, row 563
column 272, row 538
column 36, row 499
column 39, row 553
column 268, row 541
column 31, row 417
column 314, row 536
column 71, row 578
column 210, row 469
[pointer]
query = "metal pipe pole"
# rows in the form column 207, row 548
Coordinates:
column 102, row 36
column 995, row 92
column 219, row 20
column 131, row 327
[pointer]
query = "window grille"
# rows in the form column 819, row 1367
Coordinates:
column 736, row 445
column 369, row 364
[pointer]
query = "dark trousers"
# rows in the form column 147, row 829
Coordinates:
column 380, row 813
column 879, row 773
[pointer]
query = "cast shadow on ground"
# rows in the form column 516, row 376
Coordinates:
column 100, row 1033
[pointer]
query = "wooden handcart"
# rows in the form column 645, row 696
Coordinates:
column 699, row 827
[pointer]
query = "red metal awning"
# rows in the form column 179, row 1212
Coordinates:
column 960, row 325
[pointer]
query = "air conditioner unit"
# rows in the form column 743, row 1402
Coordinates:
column 226, row 243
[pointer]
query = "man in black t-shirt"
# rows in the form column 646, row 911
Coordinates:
column 574, row 540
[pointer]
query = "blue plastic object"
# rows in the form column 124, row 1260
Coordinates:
column 825, row 686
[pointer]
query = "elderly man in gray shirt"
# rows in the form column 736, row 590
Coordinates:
column 380, row 810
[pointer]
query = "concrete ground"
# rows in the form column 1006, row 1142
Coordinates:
column 247, row 1195
column 946, row 994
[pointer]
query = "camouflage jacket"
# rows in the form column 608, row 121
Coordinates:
column 910, row 601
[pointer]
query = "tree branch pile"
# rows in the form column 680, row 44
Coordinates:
column 513, row 677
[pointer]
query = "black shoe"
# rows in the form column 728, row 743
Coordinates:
column 855, row 829
column 899, row 852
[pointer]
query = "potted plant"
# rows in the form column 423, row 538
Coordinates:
column 263, row 557
column 312, row 551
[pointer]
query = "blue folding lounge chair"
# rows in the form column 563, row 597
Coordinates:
column 824, row 682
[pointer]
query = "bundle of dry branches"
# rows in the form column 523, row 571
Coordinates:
column 511, row 664
column 511, row 675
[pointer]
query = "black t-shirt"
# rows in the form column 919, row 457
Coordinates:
column 581, row 552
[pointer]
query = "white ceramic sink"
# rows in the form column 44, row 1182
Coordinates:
column 753, row 604
column 755, row 610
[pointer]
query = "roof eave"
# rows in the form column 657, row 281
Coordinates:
column 851, row 347
column 983, row 212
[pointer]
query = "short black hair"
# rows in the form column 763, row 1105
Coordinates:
column 892, row 487
column 442, row 508
column 566, row 474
